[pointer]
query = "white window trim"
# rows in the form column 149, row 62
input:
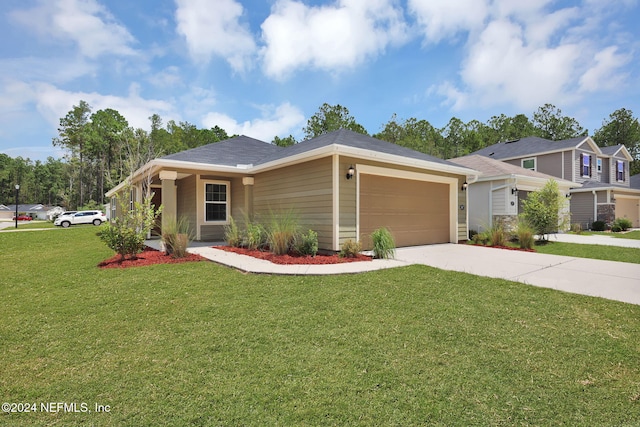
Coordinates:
column 535, row 163
column 582, row 165
column 204, row 202
column 624, row 171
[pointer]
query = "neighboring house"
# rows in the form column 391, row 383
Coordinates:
column 343, row 185
column 605, row 192
column 37, row 211
column 498, row 193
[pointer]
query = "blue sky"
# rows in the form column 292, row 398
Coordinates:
column 262, row 68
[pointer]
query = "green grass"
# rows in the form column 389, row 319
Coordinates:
column 199, row 344
column 31, row 225
column 609, row 253
column 635, row 234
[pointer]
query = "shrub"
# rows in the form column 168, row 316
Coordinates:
column 616, row 228
column 525, row 234
column 497, row 234
column 282, row 231
column 307, row 244
column 232, row 233
column 255, row 235
column 384, row 246
column 176, row 236
column 623, row 223
column 472, row 234
column 126, row 234
column 598, row 226
column 576, row 228
column 350, row 249
column 481, row 238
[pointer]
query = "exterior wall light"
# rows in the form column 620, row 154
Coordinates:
column 464, row 185
column 350, row 172
column 514, row 190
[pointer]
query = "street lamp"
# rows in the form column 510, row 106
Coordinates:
column 17, row 190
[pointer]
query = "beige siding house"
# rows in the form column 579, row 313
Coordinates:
column 602, row 189
column 342, row 185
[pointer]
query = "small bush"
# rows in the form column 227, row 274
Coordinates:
column 232, row 233
column 282, row 231
column 576, row 228
column 176, row 236
column 472, row 234
column 616, row 228
column 598, row 226
column 307, row 244
column 255, row 236
column 623, row 223
column 497, row 234
column 525, row 234
column 384, row 246
column 350, row 249
column 481, row 238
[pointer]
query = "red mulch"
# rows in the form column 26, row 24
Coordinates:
column 149, row 256
column 293, row 259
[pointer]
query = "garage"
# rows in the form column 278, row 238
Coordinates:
column 628, row 208
column 417, row 212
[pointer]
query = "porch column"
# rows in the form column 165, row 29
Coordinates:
column 247, row 181
column 169, row 196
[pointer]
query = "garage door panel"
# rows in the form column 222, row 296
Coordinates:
column 416, row 212
column 628, row 208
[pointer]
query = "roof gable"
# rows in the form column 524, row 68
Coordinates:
column 617, row 151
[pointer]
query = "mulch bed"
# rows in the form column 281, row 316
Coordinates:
column 291, row 259
column 149, row 256
column 510, row 248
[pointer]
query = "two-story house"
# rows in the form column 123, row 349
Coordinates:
column 603, row 173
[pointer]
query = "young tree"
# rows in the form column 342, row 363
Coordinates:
column 284, row 142
column 331, row 118
column 546, row 210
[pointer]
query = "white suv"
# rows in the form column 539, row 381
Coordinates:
column 81, row 217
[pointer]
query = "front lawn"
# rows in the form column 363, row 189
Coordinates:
column 635, row 234
column 609, row 253
column 200, row 344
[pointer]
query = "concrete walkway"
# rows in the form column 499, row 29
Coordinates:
column 606, row 279
column 595, row 239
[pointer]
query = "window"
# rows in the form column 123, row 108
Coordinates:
column 132, row 200
column 216, row 202
column 620, row 170
column 529, row 163
column 599, row 165
column 113, row 208
column 586, row 164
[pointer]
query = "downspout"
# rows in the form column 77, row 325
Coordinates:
column 595, row 205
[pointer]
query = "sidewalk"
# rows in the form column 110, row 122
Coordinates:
column 596, row 239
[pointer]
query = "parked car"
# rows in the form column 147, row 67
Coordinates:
column 22, row 218
column 81, row 217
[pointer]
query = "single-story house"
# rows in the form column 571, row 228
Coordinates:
column 343, row 185
column 6, row 213
column 497, row 195
column 36, row 211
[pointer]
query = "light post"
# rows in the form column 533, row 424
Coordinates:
column 17, row 190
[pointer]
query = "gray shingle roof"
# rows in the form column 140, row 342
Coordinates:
column 611, row 150
column 349, row 138
column 491, row 167
column 245, row 150
column 527, row 146
column 634, row 182
column 231, row 152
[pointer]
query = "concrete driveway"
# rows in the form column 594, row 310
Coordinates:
column 607, row 279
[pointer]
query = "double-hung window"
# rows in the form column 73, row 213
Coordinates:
column 599, row 165
column 216, row 201
column 585, row 165
column 620, row 170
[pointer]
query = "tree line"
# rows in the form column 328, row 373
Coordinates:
column 102, row 149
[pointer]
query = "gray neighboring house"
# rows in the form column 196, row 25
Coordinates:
column 497, row 195
column 35, row 211
column 605, row 190
column 343, row 185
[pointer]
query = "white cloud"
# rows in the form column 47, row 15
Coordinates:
column 282, row 121
column 85, row 22
column 526, row 55
column 440, row 19
column 214, row 28
column 331, row 38
column 53, row 103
